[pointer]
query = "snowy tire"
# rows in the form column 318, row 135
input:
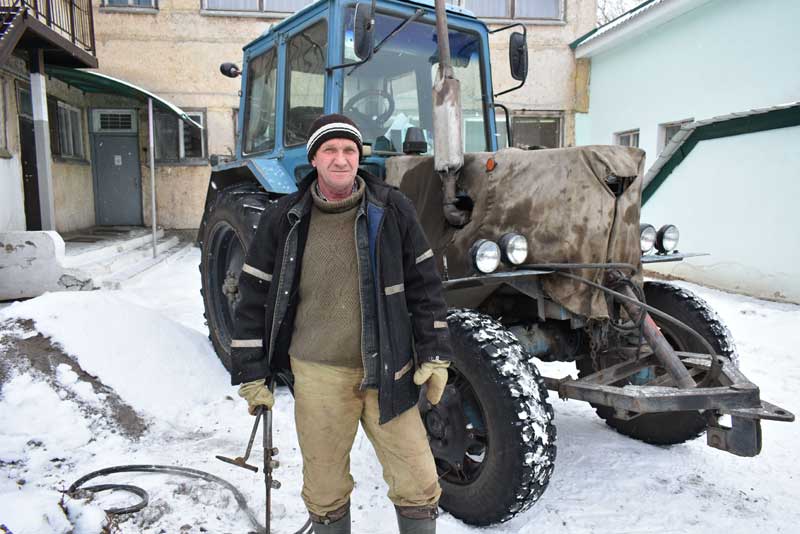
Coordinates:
column 228, row 230
column 492, row 434
column 673, row 427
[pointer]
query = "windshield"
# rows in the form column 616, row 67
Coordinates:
column 392, row 90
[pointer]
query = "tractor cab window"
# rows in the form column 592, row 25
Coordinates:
column 259, row 127
column 306, row 58
column 392, row 91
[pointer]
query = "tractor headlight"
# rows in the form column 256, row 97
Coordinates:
column 485, row 255
column 514, row 248
column 647, row 237
column 667, row 238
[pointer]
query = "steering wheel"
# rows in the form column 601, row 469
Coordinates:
column 364, row 118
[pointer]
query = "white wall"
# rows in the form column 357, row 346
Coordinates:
column 737, row 198
column 12, row 200
column 722, row 57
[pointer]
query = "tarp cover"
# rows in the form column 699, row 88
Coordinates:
column 558, row 199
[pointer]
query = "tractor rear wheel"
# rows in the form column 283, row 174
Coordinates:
column 229, row 228
column 492, row 434
column 669, row 428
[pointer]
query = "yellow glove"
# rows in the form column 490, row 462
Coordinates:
column 256, row 394
column 435, row 374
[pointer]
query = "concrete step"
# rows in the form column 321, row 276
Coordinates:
column 109, row 268
column 96, row 253
column 117, row 279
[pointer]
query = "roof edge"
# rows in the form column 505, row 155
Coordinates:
column 679, row 148
column 642, row 18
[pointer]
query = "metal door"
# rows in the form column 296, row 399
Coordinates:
column 30, row 177
column 117, row 179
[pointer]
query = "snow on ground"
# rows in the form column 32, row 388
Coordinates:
column 145, row 349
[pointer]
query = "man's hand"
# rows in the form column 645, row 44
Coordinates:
column 435, row 374
column 256, row 394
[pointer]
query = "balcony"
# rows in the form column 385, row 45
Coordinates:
column 63, row 29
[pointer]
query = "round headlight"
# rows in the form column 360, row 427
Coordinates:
column 647, row 237
column 667, row 238
column 485, row 255
column 514, row 248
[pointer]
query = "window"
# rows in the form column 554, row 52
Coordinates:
column 667, row 130
column 536, row 130
column 153, row 4
column 306, row 55
column 516, row 9
column 268, row 6
column 70, row 131
column 178, row 142
column 259, row 122
column 392, row 92
column 3, row 115
column 629, row 138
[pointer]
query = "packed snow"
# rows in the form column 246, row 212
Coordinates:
column 142, row 354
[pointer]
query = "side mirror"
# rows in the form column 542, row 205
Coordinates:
column 518, row 56
column 231, row 70
column 364, row 31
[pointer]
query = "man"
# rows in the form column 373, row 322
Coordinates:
column 340, row 286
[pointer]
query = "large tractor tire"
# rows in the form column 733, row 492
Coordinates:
column 669, row 428
column 230, row 225
column 492, row 434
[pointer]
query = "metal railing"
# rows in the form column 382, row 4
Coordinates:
column 71, row 19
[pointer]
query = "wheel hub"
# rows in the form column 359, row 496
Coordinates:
column 230, row 287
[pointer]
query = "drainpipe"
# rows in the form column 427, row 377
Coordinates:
column 152, row 170
column 448, row 152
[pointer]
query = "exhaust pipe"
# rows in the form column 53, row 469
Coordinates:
column 448, row 155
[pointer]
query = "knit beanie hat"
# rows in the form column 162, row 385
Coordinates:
column 333, row 126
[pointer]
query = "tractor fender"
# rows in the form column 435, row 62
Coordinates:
column 266, row 174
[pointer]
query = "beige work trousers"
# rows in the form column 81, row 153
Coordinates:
column 328, row 407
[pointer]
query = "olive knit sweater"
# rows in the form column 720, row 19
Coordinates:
column 327, row 327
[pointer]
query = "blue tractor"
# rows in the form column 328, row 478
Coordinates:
column 540, row 251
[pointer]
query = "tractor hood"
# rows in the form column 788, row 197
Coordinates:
column 574, row 205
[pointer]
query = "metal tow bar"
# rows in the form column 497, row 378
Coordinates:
column 264, row 415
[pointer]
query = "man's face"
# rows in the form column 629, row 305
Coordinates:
column 336, row 162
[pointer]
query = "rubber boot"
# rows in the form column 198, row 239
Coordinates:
column 416, row 526
column 340, row 526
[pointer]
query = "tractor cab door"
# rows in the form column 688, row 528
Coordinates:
column 305, row 80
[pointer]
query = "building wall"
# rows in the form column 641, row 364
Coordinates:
column 728, row 199
column 12, row 197
column 555, row 81
column 175, row 52
column 722, row 57
column 732, row 197
column 72, row 179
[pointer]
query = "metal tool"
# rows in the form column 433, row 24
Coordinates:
column 263, row 415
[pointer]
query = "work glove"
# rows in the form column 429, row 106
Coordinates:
column 435, row 375
column 256, row 394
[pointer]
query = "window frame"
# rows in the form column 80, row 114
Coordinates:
column 262, row 10
column 66, row 127
column 273, row 47
column 287, row 80
column 554, row 114
column 105, row 6
column 511, row 7
column 662, row 132
column 618, row 136
column 182, row 159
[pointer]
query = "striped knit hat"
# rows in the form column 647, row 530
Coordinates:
column 333, row 126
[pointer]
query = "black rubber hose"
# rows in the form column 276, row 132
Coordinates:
column 170, row 469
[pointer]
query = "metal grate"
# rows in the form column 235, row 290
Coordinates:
column 116, row 121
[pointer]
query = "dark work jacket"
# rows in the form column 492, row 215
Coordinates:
column 402, row 308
